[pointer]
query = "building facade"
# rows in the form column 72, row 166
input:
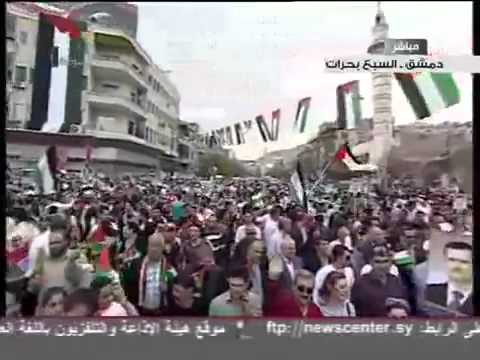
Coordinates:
column 22, row 27
column 115, row 96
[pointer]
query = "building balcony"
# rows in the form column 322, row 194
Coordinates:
column 118, row 67
column 12, row 45
column 107, row 102
column 127, row 137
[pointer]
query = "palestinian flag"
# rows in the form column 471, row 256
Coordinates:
column 263, row 128
column 64, row 25
column 349, row 111
column 275, row 125
column 269, row 133
column 47, row 172
column 345, row 162
column 297, row 185
column 429, row 92
column 301, row 115
column 404, row 259
column 239, row 134
column 229, row 135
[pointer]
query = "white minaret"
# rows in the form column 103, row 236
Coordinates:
column 382, row 95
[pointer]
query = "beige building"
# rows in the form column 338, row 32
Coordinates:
column 21, row 41
column 121, row 103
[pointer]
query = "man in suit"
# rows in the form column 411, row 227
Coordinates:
column 291, row 262
column 456, row 294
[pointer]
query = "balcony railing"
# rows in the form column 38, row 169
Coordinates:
column 122, row 60
column 124, row 136
column 135, row 104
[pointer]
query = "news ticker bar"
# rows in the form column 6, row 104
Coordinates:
column 403, row 64
column 240, row 329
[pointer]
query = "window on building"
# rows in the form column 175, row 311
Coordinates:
column 110, row 86
column 84, row 82
column 131, row 128
column 11, row 25
column 32, row 74
column 19, row 111
column 23, row 37
column 9, row 69
column 20, row 74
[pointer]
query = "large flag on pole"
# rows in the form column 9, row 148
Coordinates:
column 64, row 25
column 301, row 115
column 47, row 171
column 429, row 92
column 297, row 185
column 348, row 105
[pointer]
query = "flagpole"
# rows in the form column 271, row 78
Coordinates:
column 325, row 168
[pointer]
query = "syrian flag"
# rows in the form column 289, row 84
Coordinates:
column 429, row 92
column 301, row 115
column 348, row 105
column 297, row 185
column 345, row 161
column 47, row 171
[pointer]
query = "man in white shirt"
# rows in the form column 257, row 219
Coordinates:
column 40, row 243
column 291, row 262
column 343, row 238
column 340, row 258
column 247, row 223
column 270, row 226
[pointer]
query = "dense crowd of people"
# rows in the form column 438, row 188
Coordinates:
column 232, row 248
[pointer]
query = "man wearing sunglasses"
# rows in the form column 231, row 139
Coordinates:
column 295, row 302
column 371, row 291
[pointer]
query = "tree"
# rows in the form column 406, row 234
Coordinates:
column 279, row 171
column 225, row 166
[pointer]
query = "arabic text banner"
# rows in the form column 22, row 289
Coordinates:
column 403, row 64
column 241, row 329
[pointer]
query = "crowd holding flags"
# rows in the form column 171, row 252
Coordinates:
column 297, row 183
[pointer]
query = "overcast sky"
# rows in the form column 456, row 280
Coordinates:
column 233, row 61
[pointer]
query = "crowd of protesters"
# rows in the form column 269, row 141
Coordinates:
column 230, row 248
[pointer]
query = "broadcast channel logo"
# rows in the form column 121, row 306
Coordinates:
column 406, row 47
